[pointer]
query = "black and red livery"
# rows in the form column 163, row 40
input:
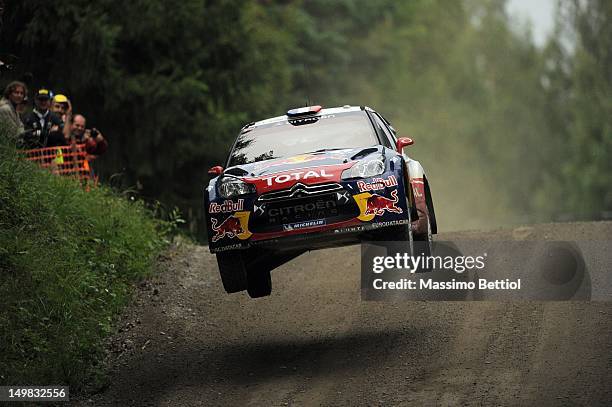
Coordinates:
column 313, row 178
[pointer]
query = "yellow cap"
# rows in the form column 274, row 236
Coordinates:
column 59, row 98
column 44, row 93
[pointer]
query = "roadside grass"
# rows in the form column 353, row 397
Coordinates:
column 67, row 261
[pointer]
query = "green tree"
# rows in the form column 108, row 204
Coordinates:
column 587, row 101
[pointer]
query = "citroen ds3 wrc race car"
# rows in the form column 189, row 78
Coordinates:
column 313, row 178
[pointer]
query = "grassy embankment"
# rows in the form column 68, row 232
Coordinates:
column 67, row 261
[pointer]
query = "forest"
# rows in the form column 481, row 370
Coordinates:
column 508, row 131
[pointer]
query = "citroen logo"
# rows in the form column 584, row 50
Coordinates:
column 299, row 190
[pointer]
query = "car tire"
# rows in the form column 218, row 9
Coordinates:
column 233, row 271
column 404, row 232
column 259, row 283
column 423, row 245
column 425, row 241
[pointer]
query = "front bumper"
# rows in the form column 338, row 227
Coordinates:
column 307, row 216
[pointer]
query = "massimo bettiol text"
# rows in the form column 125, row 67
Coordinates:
column 477, row 270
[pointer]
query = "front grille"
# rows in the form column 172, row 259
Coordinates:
column 300, row 190
column 270, row 215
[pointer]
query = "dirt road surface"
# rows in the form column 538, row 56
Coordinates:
column 313, row 342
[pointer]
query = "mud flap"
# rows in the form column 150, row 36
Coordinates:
column 430, row 208
column 419, row 225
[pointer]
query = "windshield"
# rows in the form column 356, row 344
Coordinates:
column 304, row 135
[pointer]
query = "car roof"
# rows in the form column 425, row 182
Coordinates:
column 322, row 112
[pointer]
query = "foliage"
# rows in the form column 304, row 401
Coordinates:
column 579, row 70
column 67, row 260
column 524, row 130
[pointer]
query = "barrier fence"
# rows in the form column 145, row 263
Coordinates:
column 68, row 161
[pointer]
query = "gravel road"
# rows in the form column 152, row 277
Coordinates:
column 313, row 342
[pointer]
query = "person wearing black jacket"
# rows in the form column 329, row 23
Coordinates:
column 43, row 127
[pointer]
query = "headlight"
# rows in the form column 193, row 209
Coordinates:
column 365, row 169
column 231, row 187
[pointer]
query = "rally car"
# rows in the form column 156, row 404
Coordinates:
column 313, row 178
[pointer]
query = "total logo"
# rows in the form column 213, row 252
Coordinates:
column 296, row 176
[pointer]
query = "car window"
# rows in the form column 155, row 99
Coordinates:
column 384, row 130
column 303, row 135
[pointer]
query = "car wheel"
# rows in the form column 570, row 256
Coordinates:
column 404, row 233
column 233, row 271
column 425, row 241
column 259, row 283
column 423, row 245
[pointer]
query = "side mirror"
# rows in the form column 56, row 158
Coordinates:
column 403, row 142
column 215, row 171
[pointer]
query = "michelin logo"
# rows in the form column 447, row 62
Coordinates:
column 303, row 225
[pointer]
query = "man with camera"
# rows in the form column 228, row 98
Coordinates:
column 43, row 127
column 95, row 143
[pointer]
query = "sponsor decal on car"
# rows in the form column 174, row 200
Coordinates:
column 309, row 207
column 299, row 159
column 372, row 205
column 303, row 158
column 377, row 184
column 291, row 160
column 418, row 187
column 350, row 229
column 302, row 212
column 236, row 225
column 259, row 209
column 389, row 223
column 303, row 225
column 228, row 247
column 378, row 204
column 296, row 176
column 226, row 207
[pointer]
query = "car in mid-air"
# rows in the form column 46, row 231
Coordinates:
column 310, row 179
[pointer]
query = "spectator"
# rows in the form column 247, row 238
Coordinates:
column 45, row 125
column 21, row 107
column 95, row 142
column 14, row 94
column 60, row 106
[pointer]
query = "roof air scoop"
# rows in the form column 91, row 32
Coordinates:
column 304, row 111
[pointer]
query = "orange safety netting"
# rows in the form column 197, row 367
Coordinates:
column 71, row 161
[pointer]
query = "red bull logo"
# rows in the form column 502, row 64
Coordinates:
column 377, row 205
column 230, row 227
column 226, row 207
column 377, row 184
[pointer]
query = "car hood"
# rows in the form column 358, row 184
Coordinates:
column 343, row 158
